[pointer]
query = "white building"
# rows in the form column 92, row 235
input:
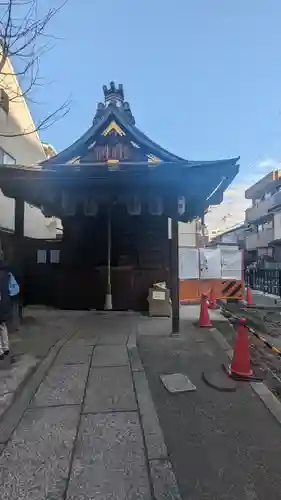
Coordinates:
column 263, row 218
column 22, row 148
column 233, row 236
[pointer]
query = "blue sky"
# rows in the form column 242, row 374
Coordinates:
column 203, row 77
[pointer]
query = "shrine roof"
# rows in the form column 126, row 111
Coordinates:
column 206, row 181
column 113, row 110
column 82, row 166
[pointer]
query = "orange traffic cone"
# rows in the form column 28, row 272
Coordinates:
column 212, row 300
column 204, row 320
column 241, row 362
column 249, row 296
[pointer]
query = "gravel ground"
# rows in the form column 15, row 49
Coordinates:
column 266, row 321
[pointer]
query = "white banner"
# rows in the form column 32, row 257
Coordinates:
column 188, row 263
column 210, row 263
column 231, row 263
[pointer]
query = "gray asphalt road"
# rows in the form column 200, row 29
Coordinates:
column 223, row 446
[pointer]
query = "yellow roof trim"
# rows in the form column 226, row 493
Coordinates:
column 276, row 174
column 153, row 159
column 112, row 162
column 74, row 160
column 113, row 126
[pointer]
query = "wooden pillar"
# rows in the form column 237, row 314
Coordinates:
column 18, row 238
column 174, row 276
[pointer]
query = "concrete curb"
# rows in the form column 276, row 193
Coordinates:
column 20, row 404
column 163, row 479
column 270, row 401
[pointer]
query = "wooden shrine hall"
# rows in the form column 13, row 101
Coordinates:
column 114, row 190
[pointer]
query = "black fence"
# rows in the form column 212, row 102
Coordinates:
column 266, row 280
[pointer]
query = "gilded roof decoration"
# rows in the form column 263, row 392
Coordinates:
column 153, row 159
column 112, row 162
column 74, row 160
column 113, row 126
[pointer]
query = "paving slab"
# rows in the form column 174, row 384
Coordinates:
column 10, row 379
column 35, row 463
column 122, row 323
column 109, row 462
column 113, row 337
column 74, row 354
column 87, row 334
column 82, row 341
column 109, row 389
column 64, row 385
column 40, row 330
column 110, row 355
column 14, row 413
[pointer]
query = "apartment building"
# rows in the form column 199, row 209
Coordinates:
column 263, row 218
column 19, row 146
column 234, row 236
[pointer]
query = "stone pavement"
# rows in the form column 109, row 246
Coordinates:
column 84, row 426
column 42, row 328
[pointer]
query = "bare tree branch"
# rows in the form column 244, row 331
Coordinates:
column 46, row 122
column 23, row 41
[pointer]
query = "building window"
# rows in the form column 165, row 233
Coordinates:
column 268, row 225
column 4, row 101
column 54, row 256
column 41, row 257
column 6, row 158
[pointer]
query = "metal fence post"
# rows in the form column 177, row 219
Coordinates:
column 279, row 283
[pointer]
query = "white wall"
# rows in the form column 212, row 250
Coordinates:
column 26, row 150
column 187, row 234
column 277, row 226
column 229, row 238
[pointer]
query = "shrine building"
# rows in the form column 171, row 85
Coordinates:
column 114, row 190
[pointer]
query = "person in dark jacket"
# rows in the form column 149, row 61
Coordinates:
column 4, row 308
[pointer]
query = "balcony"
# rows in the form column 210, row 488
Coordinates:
column 254, row 213
column 261, row 209
column 259, row 240
column 276, row 199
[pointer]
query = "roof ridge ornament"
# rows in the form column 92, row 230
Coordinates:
column 113, row 95
column 114, row 98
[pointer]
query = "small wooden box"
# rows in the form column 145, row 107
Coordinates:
column 159, row 302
